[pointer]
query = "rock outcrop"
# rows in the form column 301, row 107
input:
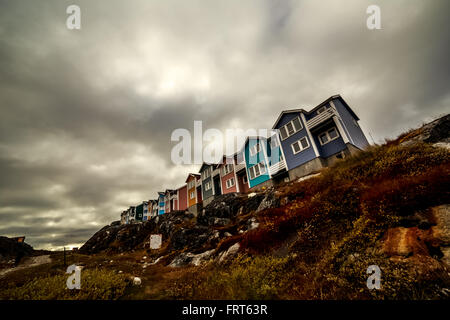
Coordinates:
column 429, row 237
column 436, row 132
column 181, row 230
column 13, row 251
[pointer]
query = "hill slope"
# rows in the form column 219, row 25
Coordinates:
column 310, row 239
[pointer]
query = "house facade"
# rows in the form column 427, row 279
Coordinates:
column 227, row 175
column 182, row 203
column 170, row 200
column 312, row 140
column 139, row 212
column 241, row 172
column 210, row 178
column 161, row 203
column 145, row 211
column 131, row 214
column 194, row 192
column 264, row 161
column 153, row 208
column 123, row 217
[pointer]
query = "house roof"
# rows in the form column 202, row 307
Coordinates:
column 337, row 96
column 195, row 175
column 204, row 164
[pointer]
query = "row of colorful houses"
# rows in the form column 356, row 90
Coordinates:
column 304, row 142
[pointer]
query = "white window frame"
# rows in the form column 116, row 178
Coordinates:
column 300, row 145
column 207, row 173
column 228, row 168
column 230, row 183
column 192, row 195
column 328, row 136
column 261, row 170
column 293, row 126
column 208, row 186
column 255, row 149
column 273, row 141
column 321, row 109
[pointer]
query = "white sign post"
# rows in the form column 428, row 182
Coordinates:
column 155, row 241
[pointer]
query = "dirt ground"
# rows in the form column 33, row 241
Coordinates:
column 28, row 263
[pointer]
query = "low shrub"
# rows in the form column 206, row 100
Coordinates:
column 95, row 285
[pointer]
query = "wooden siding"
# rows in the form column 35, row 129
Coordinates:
column 182, row 198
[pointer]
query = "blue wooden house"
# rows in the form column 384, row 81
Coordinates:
column 264, row 160
column 161, row 203
column 313, row 139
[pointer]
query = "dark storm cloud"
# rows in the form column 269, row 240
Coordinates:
column 87, row 115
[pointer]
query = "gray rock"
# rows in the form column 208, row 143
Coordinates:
column 252, row 224
column 270, row 201
column 224, row 255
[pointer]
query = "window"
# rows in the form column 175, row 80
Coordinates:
column 283, row 133
column 300, row 145
column 192, row 195
column 290, row 128
column 322, row 109
column 207, row 173
column 191, row 184
column 328, row 136
column 227, row 169
column 257, row 170
column 255, row 149
column 332, row 133
column 207, row 186
column 244, row 179
column 262, row 168
column 297, row 124
column 274, row 142
column 230, row 183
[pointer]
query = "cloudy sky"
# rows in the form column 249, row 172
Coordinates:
column 86, row 115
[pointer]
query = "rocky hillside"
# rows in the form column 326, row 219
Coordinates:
column 11, row 250
column 314, row 238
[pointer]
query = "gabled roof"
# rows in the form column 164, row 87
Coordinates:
column 286, row 112
column 195, row 175
column 204, row 164
column 337, row 96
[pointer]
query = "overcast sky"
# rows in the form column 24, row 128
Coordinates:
column 86, row 115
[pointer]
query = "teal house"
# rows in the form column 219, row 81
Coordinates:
column 255, row 160
column 264, row 161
